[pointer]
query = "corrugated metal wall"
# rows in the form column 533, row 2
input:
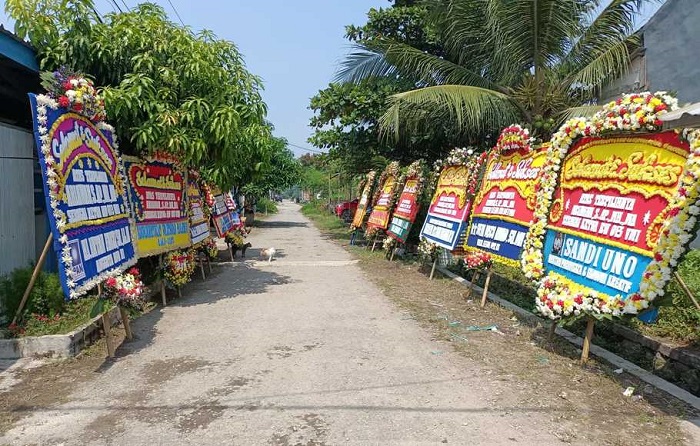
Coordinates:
column 17, row 219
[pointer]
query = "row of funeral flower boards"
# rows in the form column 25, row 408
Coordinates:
column 599, row 217
column 106, row 211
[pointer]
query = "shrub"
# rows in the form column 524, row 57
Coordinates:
column 266, row 205
column 46, row 297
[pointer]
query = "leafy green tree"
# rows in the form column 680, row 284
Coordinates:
column 501, row 61
column 165, row 88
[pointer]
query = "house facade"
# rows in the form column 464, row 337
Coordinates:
column 668, row 59
column 23, row 223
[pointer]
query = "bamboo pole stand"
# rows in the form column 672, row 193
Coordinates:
column 432, row 270
column 106, row 326
column 475, row 277
column 162, row 292
column 686, row 290
column 35, row 275
column 587, row 341
column 127, row 323
column 552, row 332
column 484, row 295
column 201, row 266
column 230, row 250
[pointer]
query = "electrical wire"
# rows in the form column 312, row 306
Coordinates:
column 114, row 2
column 176, row 13
column 304, row 148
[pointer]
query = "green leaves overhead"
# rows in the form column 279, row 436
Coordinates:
column 165, row 87
column 493, row 59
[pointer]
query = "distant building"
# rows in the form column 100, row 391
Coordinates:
column 23, row 223
column 669, row 57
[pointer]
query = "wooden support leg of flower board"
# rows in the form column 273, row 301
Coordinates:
column 127, row 324
column 230, row 250
column 106, row 326
column 432, row 270
column 179, row 292
column 475, row 277
column 35, row 275
column 486, row 288
column 162, row 292
column 393, row 251
column 687, row 291
column 587, row 341
column 201, row 267
column 209, row 264
column 552, row 331
column 374, row 243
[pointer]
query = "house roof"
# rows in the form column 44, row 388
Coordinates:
column 17, row 50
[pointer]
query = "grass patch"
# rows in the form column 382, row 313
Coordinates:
column 326, row 222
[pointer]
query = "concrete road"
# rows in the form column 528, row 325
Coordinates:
column 300, row 351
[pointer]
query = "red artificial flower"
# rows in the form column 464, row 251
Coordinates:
column 67, row 85
column 111, row 282
column 657, row 122
column 683, row 192
column 578, row 300
column 134, row 271
column 63, row 101
column 636, row 297
column 658, row 257
column 78, row 107
column 674, row 211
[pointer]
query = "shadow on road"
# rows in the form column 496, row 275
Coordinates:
column 280, row 224
column 218, row 286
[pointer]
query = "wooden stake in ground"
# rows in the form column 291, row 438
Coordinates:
column 230, row 250
column 127, row 323
column 162, row 284
column 35, row 275
column 432, row 270
column 552, row 331
column 687, row 291
column 587, row 341
column 201, row 266
column 393, row 251
column 475, row 277
column 106, row 326
column 486, row 288
column 374, row 242
column 179, row 292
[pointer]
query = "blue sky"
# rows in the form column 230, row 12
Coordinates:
column 294, row 45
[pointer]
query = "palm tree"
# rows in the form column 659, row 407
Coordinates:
column 503, row 61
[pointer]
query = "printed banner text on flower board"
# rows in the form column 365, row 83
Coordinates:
column 223, row 220
column 405, row 212
column 379, row 218
column 157, row 194
column 504, row 205
column 85, row 196
column 361, row 211
column 199, row 223
column 449, row 208
column 609, row 209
